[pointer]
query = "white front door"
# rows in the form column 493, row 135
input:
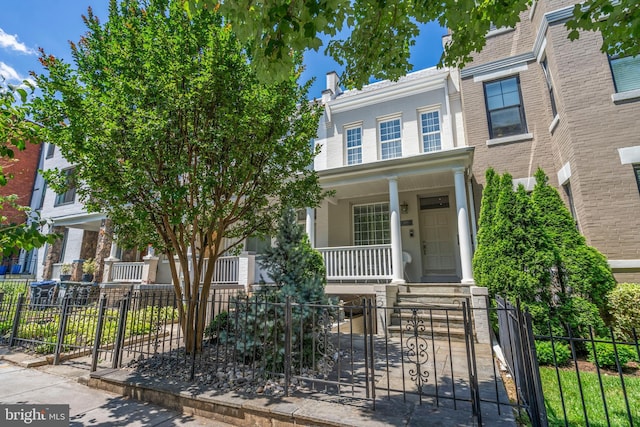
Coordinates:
column 437, row 237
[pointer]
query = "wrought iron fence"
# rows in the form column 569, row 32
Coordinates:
column 591, row 380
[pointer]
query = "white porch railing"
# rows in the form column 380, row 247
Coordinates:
column 127, row 272
column 357, row 262
column 225, row 271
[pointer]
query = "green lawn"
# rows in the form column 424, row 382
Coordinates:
column 592, row 397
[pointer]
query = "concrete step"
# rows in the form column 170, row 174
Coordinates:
column 431, row 288
column 426, row 309
column 439, row 332
column 433, row 298
column 436, row 320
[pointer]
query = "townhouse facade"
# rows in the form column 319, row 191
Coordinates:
column 24, row 169
column 533, row 98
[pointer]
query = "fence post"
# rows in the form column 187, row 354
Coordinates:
column 537, row 398
column 287, row 345
column 61, row 329
column 122, row 320
column 102, row 303
column 471, row 361
column 16, row 319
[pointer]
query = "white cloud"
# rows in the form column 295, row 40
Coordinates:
column 9, row 73
column 11, row 41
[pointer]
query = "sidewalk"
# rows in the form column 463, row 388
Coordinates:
column 88, row 407
column 118, row 397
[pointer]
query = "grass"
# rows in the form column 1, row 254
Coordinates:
column 596, row 415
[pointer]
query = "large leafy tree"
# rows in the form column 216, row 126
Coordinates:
column 381, row 32
column 176, row 140
column 16, row 131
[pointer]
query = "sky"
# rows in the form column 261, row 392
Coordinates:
column 27, row 25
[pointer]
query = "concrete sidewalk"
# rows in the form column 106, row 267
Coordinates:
column 88, row 407
column 118, row 397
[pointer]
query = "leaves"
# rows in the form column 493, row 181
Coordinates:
column 381, row 32
column 175, row 139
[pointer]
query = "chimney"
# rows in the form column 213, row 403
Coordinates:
column 333, row 83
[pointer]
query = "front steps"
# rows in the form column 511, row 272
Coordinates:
column 438, row 310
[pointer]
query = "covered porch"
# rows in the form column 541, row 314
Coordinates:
column 406, row 220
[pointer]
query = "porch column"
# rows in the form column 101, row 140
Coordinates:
column 396, row 236
column 311, row 229
column 463, row 226
column 109, row 261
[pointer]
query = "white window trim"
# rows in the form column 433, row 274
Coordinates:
column 383, row 119
column 427, row 110
column 347, row 128
column 629, row 155
column 353, row 222
column 625, row 96
column 495, row 75
column 564, row 174
column 528, row 183
column 498, row 31
column 554, row 123
column 509, row 139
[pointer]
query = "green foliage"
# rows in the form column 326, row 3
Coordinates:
column 16, row 130
column 380, row 34
column 514, row 255
column 624, row 303
column 258, row 324
column 545, row 351
column 529, row 249
column 218, row 324
column 606, row 355
column 175, row 139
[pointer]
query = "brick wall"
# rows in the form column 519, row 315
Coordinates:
column 24, row 168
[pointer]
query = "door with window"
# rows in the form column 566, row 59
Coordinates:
column 437, row 237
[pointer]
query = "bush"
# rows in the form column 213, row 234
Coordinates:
column 219, row 324
column 624, row 303
column 545, row 353
column 607, row 355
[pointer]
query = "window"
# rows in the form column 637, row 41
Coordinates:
column 51, row 149
column 626, row 73
column 504, row 108
column 371, row 224
column 636, row 169
column 69, row 195
column 354, row 146
column 390, row 142
column 547, row 76
column 431, row 131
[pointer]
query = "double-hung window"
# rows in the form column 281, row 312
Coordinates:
column 371, row 224
column 69, row 195
column 390, row 139
column 430, row 126
column 636, row 169
column 51, row 149
column 505, row 111
column 626, row 73
column 354, row 145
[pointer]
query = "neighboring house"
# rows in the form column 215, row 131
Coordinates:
column 24, row 168
column 395, row 155
column 83, row 234
column 532, row 98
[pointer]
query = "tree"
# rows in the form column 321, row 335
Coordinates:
column 584, row 271
column 16, row 130
column 518, row 254
column 176, row 140
column 380, row 33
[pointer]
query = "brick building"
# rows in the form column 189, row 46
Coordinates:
column 24, row 168
column 532, row 98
